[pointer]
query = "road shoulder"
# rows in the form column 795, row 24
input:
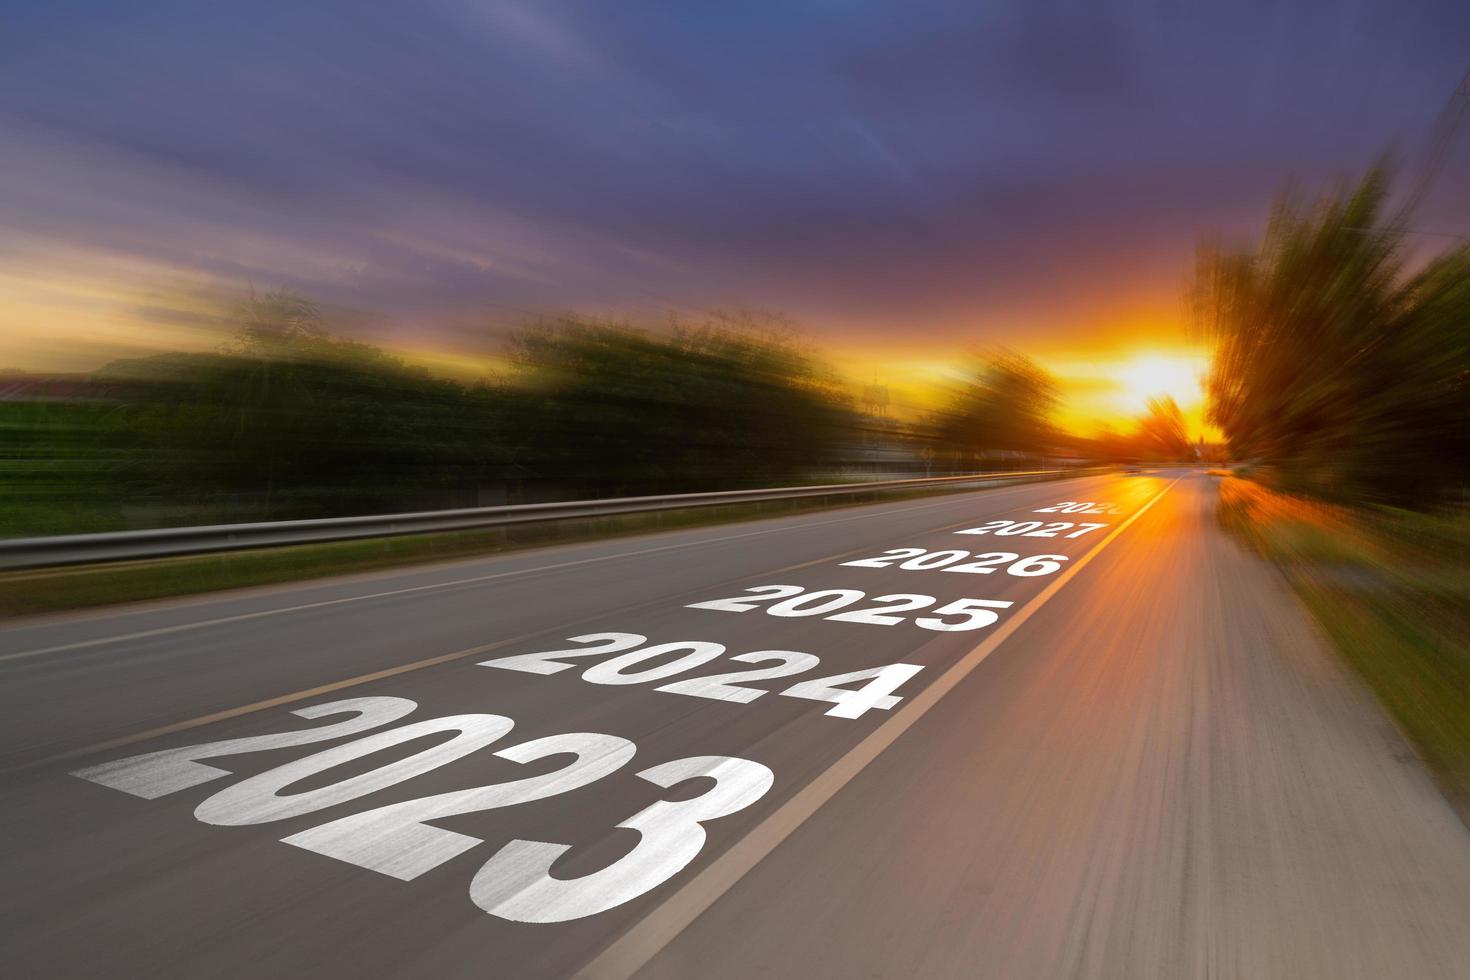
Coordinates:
column 1167, row 774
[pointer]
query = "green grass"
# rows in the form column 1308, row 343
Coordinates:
column 1391, row 589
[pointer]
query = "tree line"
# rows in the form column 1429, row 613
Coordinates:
column 1342, row 361
column 288, row 421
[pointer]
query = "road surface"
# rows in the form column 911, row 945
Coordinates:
column 1057, row 730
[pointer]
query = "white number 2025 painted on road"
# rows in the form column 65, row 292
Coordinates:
column 974, row 613
column 515, row 883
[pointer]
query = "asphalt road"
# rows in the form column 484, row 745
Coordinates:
column 1134, row 758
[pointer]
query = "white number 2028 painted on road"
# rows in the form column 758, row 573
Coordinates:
column 515, row 883
column 1077, row 507
column 1032, row 529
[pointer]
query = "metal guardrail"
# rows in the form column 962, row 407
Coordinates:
column 87, row 549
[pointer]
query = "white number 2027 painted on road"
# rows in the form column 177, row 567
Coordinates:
column 515, row 883
column 1032, row 529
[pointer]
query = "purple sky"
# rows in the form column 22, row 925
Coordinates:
column 921, row 172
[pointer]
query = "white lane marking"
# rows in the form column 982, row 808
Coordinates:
column 632, row 950
column 181, row 627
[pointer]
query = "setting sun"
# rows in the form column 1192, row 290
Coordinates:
column 1114, row 392
column 1148, row 376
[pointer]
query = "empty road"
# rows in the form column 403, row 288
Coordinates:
column 1063, row 729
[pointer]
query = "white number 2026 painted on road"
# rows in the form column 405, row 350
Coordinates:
column 515, row 882
column 922, row 560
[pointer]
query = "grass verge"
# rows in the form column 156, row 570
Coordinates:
column 1391, row 589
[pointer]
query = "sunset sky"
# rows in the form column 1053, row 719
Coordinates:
column 907, row 180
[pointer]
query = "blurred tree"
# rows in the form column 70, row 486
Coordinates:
column 1158, row 436
column 287, row 421
column 726, row 403
column 274, row 320
column 1334, row 364
column 1004, row 405
column 1162, row 434
column 1111, row 445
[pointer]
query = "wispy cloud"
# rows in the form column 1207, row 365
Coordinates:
column 941, row 170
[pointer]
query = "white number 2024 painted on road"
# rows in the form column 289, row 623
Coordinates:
column 515, row 883
column 1032, row 529
column 876, row 692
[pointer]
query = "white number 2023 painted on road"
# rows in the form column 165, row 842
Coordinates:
column 395, row 840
